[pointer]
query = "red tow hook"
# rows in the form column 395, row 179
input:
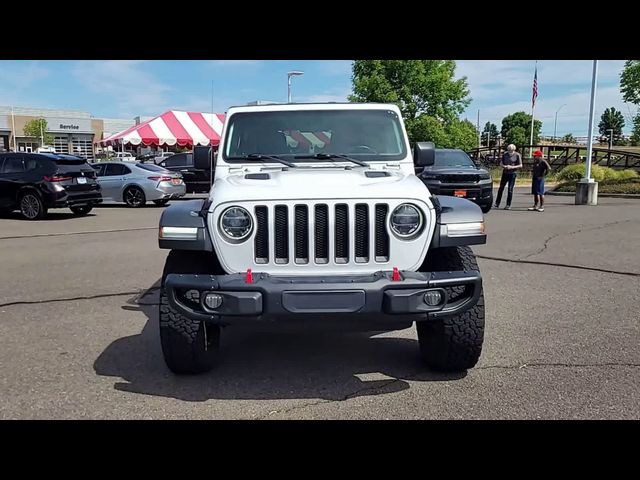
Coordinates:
column 249, row 277
column 395, row 277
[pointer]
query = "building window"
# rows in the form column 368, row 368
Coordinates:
column 61, row 144
column 28, row 147
column 4, row 143
column 82, row 146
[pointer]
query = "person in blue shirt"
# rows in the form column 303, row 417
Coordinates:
column 539, row 171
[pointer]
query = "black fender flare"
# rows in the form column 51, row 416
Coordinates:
column 454, row 210
column 189, row 213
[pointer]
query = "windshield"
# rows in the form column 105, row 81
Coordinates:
column 452, row 158
column 363, row 134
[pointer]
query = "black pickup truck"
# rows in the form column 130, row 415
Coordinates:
column 454, row 173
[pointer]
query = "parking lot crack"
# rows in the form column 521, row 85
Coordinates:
column 579, row 230
column 142, row 294
column 78, row 233
column 554, row 264
column 344, row 398
column 520, row 366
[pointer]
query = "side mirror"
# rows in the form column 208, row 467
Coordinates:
column 202, row 157
column 424, row 154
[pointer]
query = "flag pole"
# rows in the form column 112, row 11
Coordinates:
column 533, row 107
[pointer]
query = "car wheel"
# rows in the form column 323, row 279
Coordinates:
column 81, row 210
column 161, row 203
column 453, row 343
column 188, row 346
column 486, row 208
column 134, row 197
column 31, row 206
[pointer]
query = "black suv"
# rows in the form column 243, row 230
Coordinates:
column 35, row 182
column 196, row 179
column 454, row 173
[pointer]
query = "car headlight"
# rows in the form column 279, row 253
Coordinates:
column 236, row 223
column 485, row 176
column 406, row 220
column 429, row 177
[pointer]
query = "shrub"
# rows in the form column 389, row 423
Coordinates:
column 627, row 174
column 576, row 171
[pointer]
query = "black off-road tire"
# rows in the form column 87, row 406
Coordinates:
column 134, row 197
column 31, row 205
column 188, row 346
column 81, row 210
column 452, row 343
column 486, row 208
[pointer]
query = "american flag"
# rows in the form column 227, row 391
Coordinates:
column 535, row 88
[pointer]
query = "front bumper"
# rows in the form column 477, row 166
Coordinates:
column 375, row 297
column 479, row 193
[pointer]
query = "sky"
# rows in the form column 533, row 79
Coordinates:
column 126, row 88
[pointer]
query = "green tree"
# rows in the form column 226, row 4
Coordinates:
column 37, row 128
column 612, row 119
column 426, row 91
column 516, row 129
column 492, row 130
column 568, row 138
column 635, row 133
column 630, row 82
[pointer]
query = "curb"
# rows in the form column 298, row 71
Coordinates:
column 605, row 195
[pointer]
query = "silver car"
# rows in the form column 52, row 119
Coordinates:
column 136, row 183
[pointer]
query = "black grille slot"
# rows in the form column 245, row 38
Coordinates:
column 382, row 237
column 342, row 233
column 262, row 235
column 362, row 233
column 281, row 234
column 321, row 234
column 302, row 233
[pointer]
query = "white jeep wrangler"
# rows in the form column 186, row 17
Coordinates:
column 316, row 215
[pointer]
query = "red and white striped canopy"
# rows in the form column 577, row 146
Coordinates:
column 174, row 127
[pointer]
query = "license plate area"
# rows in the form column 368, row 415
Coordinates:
column 81, row 180
column 176, row 181
column 337, row 301
column 460, row 193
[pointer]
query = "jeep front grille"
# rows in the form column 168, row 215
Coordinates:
column 321, row 233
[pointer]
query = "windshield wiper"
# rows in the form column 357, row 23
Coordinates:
column 329, row 156
column 259, row 156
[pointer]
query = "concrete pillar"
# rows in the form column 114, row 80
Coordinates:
column 587, row 192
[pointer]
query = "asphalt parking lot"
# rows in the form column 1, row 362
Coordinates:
column 78, row 323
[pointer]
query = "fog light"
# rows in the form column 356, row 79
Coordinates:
column 433, row 298
column 213, row 300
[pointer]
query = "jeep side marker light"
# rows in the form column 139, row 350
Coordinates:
column 178, row 233
column 213, row 300
column 249, row 276
column 464, row 229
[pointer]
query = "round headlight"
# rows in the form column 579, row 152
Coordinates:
column 406, row 220
column 236, row 223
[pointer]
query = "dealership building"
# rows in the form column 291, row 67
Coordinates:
column 73, row 132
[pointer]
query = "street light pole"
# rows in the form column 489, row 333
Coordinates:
column 293, row 73
column 610, row 137
column 555, row 125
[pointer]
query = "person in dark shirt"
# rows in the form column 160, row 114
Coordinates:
column 511, row 162
column 539, row 171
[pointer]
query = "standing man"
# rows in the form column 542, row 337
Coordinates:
column 511, row 162
column 539, row 171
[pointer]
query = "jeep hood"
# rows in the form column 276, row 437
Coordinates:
column 319, row 183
